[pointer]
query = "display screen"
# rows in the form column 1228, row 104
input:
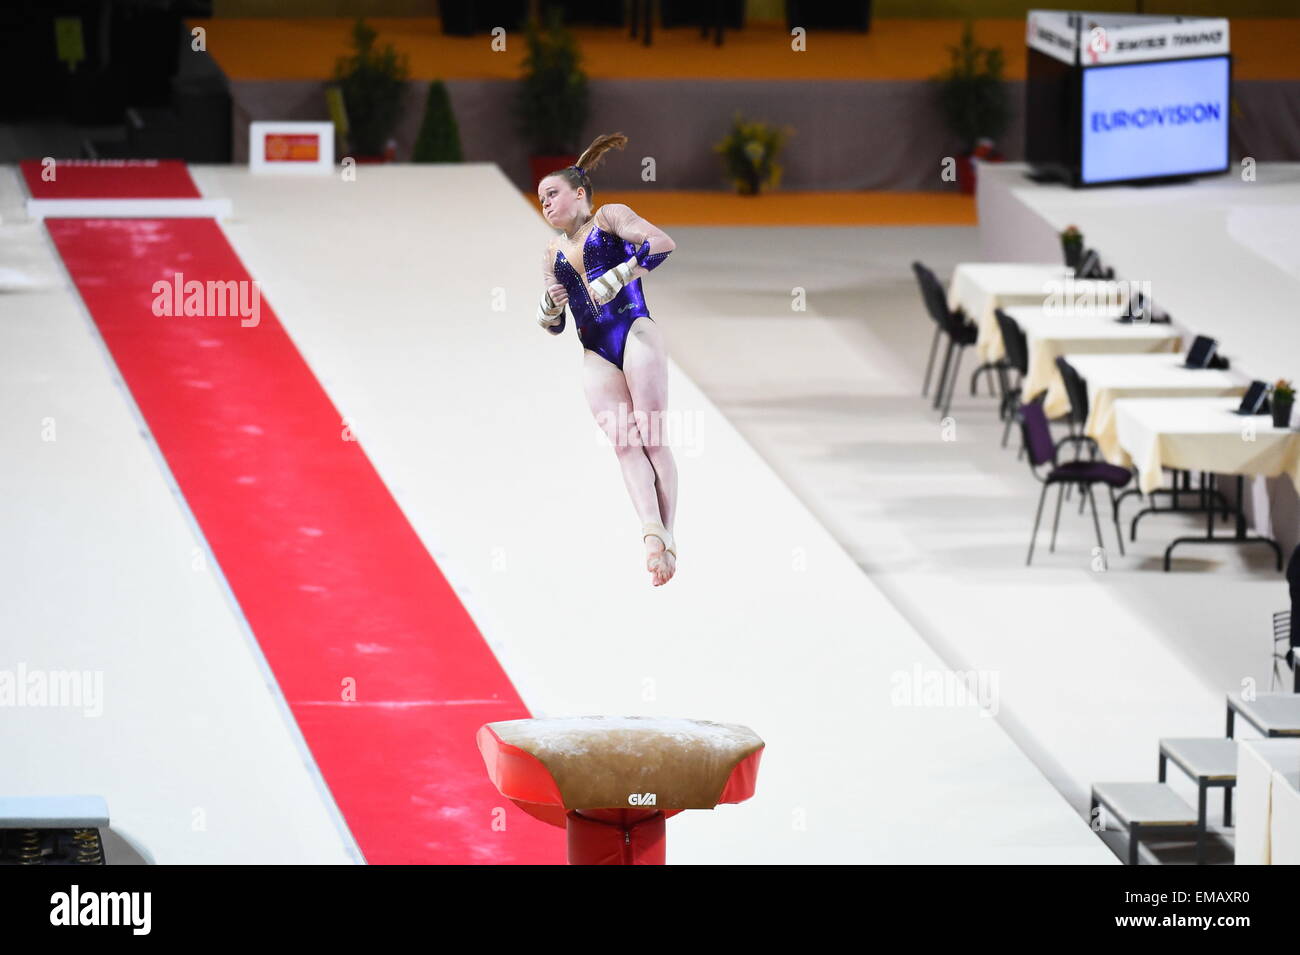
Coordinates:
column 1147, row 120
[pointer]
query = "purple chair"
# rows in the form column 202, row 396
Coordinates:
column 1042, row 449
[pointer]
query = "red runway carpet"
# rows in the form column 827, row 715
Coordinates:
column 100, row 179
column 336, row 586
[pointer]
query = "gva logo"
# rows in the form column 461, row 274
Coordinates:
column 641, row 799
column 1097, row 43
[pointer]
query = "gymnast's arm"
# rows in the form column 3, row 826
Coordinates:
column 550, row 310
column 653, row 244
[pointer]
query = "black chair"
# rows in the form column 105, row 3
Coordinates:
column 961, row 335
column 1016, row 347
column 991, row 369
column 950, row 323
column 1283, row 652
column 1076, row 389
column 923, row 275
column 1286, row 625
column 1038, row 440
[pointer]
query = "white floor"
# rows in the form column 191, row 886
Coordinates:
column 103, row 572
column 390, row 286
column 1093, row 667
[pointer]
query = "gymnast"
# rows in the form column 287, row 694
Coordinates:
column 595, row 267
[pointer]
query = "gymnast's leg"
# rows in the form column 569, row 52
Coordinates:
column 611, row 405
column 645, row 366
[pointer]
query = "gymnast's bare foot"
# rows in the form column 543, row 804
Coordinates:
column 661, row 553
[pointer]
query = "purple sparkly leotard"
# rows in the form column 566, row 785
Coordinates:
column 615, row 235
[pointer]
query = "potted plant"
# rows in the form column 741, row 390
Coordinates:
column 749, row 154
column 1072, row 245
column 439, row 138
column 1282, row 399
column 372, row 82
column 974, row 101
column 551, row 103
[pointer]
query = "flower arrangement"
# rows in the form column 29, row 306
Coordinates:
column 749, row 155
column 1283, row 390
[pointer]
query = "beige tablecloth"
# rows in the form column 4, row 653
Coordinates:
column 1111, row 377
column 980, row 288
column 1053, row 332
column 1266, row 803
column 1202, row 434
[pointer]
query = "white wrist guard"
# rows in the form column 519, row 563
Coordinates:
column 607, row 286
column 547, row 309
column 548, row 313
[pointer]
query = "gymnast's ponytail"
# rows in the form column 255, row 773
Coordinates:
column 580, row 177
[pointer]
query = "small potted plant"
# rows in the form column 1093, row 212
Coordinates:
column 749, row 154
column 1072, row 245
column 1282, row 399
column 372, row 82
column 974, row 101
column 552, row 100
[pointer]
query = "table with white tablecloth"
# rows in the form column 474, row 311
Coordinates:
column 1051, row 332
column 980, row 288
column 1202, row 434
column 1111, row 377
column 1267, row 802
